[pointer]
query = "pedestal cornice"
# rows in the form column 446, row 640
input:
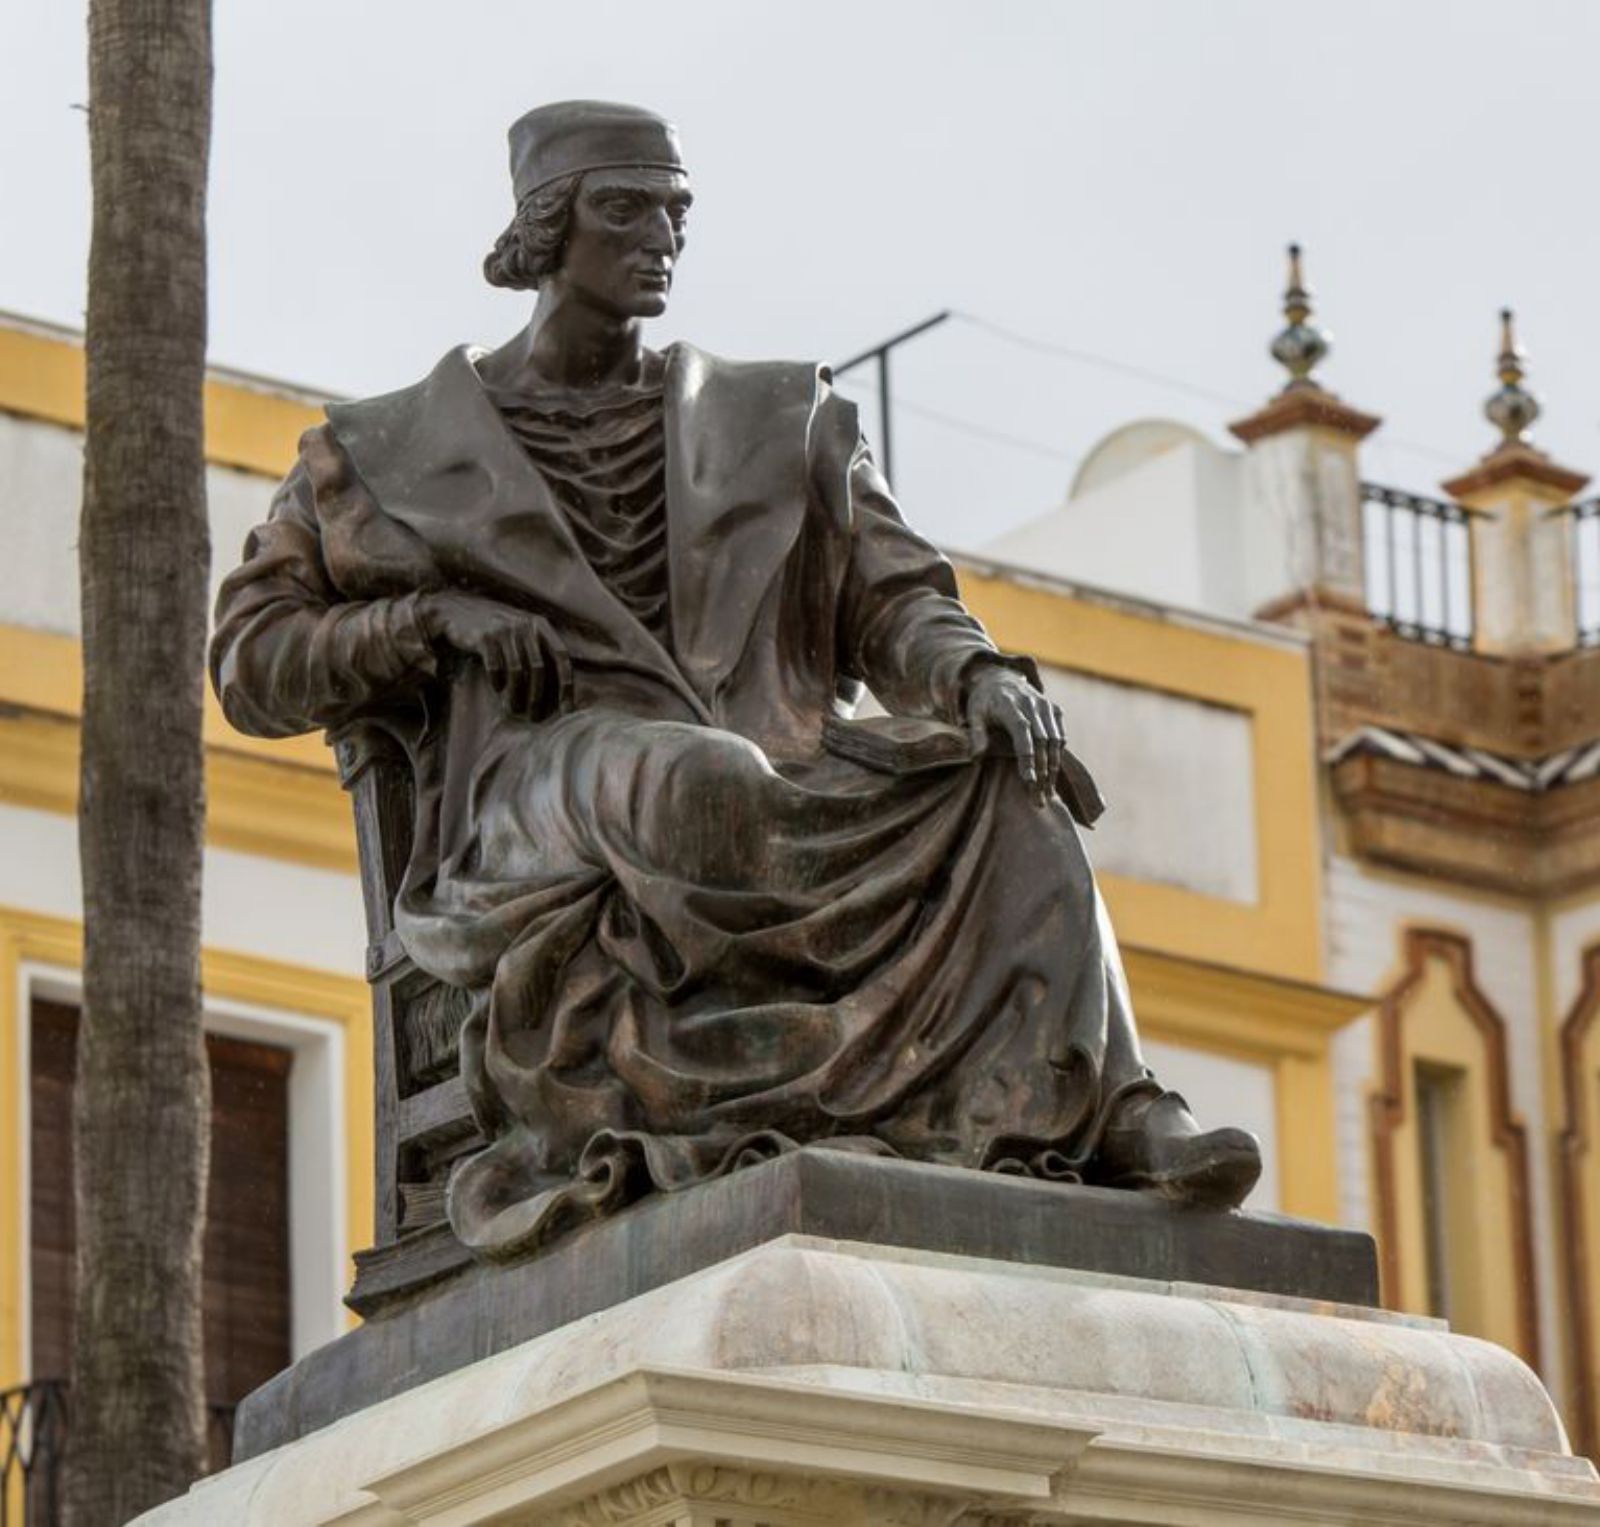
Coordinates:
column 486, row 1308
column 814, row 1381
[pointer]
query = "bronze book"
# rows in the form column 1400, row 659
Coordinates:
column 915, row 744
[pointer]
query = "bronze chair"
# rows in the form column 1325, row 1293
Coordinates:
column 423, row 1120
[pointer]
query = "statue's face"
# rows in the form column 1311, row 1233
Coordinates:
column 625, row 238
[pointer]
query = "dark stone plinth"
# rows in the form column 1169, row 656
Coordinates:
column 486, row 1309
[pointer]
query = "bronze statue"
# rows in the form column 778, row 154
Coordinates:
column 620, row 605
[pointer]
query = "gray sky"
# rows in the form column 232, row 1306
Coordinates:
column 1118, row 179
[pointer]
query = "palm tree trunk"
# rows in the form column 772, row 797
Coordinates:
column 141, row 1112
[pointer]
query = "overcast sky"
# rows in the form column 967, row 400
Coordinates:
column 1118, row 179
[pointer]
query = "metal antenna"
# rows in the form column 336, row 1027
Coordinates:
column 880, row 353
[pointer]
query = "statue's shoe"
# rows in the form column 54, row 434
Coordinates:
column 1154, row 1144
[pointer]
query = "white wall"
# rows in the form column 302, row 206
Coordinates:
column 1137, row 534
column 1164, row 529
column 41, row 494
column 41, row 489
column 1179, row 780
column 315, row 916
column 1222, row 1090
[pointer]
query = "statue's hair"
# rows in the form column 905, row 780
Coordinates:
column 532, row 245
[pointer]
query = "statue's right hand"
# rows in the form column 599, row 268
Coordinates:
column 525, row 660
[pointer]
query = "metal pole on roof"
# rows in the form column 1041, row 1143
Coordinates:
column 880, row 354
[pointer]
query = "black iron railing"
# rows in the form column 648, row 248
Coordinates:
column 1419, row 565
column 33, row 1427
column 33, row 1432
column 1586, row 569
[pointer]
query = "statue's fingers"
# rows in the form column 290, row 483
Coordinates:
column 1056, row 731
column 1029, row 712
column 512, row 682
column 515, row 694
column 1044, row 749
column 522, row 690
column 556, row 650
column 1020, row 732
column 512, row 662
column 535, row 678
column 493, row 654
column 977, row 734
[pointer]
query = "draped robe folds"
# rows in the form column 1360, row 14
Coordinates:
column 694, row 937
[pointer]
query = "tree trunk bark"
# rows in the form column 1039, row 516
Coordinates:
column 141, row 1112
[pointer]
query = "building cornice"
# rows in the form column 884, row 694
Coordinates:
column 251, row 424
column 277, row 798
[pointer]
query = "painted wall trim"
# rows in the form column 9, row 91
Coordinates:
column 278, row 811
column 280, row 799
column 1577, row 1186
column 1508, row 1134
column 43, row 671
column 251, row 423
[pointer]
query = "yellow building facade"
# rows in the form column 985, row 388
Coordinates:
column 1320, row 945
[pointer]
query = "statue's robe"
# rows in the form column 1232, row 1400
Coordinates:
column 695, row 934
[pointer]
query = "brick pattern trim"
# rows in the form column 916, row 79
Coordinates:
column 1471, row 831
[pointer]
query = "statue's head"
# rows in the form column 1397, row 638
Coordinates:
column 602, row 196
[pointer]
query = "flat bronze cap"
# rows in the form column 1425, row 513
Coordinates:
column 567, row 137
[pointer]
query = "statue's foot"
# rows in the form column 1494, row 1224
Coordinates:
column 1153, row 1143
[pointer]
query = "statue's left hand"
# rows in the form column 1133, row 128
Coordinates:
column 1003, row 704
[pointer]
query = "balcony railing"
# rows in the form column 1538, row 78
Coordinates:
column 1586, row 569
column 1419, row 565
column 33, row 1432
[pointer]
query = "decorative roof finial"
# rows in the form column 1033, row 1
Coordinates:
column 1513, row 408
column 1300, row 347
column 1303, row 400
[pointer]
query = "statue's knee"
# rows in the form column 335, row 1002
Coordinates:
column 713, row 797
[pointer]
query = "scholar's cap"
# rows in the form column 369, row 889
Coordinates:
column 568, row 136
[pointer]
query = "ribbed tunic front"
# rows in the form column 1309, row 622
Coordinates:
column 603, row 455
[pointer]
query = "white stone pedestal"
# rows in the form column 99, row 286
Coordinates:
column 812, row 1381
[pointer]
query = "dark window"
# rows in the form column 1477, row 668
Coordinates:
column 247, row 1224
column 1443, row 1162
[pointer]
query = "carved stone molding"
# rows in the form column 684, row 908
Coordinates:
column 686, row 1492
column 713, row 1495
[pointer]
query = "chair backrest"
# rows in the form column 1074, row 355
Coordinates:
column 423, row 1120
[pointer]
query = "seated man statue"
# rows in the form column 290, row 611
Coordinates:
column 618, row 604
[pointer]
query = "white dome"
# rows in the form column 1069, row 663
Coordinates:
column 1130, row 446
